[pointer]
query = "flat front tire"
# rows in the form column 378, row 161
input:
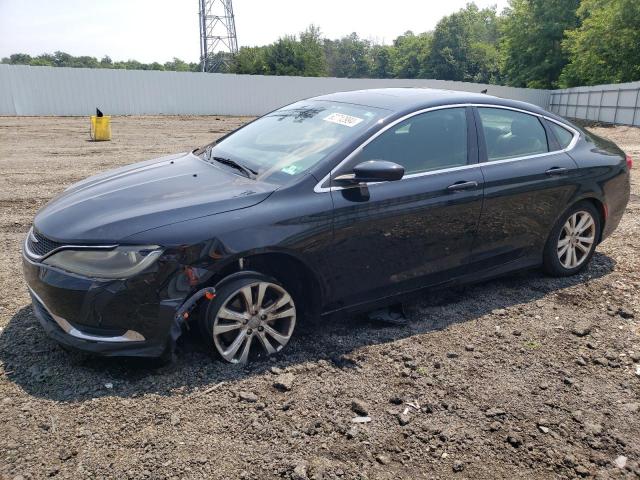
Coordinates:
column 572, row 241
column 250, row 317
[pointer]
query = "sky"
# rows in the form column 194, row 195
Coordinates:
column 158, row 30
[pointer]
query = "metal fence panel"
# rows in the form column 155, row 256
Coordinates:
column 613, row 103
column 26, row 90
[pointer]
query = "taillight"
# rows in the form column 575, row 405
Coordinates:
column 629, row 162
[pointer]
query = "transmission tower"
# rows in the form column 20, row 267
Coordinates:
column 217, row 34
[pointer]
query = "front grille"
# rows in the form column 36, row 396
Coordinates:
column 39, row 245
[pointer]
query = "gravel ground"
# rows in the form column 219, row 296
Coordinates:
column 522, row 377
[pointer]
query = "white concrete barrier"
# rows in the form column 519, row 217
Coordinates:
column 612, row 103
column 26, row 90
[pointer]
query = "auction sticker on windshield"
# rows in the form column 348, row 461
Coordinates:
column 291, row 169
column 342, row 119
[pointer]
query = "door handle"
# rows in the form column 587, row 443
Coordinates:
column 556, row 171
column 462, row 185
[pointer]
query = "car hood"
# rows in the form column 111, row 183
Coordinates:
column 114, row 205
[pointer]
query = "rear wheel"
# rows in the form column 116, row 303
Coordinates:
column 250, row 317
column 572, row 241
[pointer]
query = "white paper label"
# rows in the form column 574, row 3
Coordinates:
column 291, row 169
column 342, row 119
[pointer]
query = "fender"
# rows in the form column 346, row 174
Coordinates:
column 235, row 276
column 589, row 196
column 239, row 258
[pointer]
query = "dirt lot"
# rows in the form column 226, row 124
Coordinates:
column 523, row 377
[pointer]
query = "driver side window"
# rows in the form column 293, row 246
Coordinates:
column 425, row 142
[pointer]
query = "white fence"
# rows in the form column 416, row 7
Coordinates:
column 618, row 103
column 28, row 90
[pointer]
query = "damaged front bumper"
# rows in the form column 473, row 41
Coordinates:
column 133, row 317
column 43, row 313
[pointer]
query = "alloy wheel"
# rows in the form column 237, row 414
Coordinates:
column 577, row 239
column 259, row 316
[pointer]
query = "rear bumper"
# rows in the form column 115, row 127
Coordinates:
column 617, row 198
column 113, row 318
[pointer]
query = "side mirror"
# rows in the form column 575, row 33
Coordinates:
column 372, row 171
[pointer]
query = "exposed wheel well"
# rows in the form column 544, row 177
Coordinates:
column 296, row 277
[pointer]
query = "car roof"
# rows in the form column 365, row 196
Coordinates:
column 403, row 100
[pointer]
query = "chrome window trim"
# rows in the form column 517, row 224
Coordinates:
column 39, row 258
column 576, row 135
column 574, row 140
column 128, row 336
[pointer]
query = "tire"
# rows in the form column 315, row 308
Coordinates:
column 239, row 329
column 572, row 241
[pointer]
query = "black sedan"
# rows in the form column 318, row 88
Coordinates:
column 339, row 202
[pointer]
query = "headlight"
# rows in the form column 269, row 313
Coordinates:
column 121, row 262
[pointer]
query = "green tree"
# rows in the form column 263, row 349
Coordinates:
column 315, row 63
column 465, row 46
column 44, row 60
column 410, row 55
column 284, row 57
column 156, row 66
column 176, row 65
column 605, row 48
column 129, row 65
column 63, row 59
column 348, row 56
column 289, row 55
column 18, row 59
column 532, row 33
column 250, row 60
column 106, row 62
column 84, row 62
column 381, row 61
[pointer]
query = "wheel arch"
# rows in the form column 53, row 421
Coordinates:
column 600, row 207
column 550, row 258
column 298, row 277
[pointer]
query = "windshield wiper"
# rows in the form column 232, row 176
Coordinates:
column 249, row 172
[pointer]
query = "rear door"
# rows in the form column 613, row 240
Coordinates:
column 528, row 181
column 395, row 236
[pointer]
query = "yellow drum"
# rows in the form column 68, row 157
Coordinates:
column 100, row 128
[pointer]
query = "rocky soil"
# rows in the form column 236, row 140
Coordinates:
column 522, row 377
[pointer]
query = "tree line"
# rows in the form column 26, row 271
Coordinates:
column 531, row 43
column 62, row 59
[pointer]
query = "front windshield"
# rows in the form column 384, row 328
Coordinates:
column 286, row 143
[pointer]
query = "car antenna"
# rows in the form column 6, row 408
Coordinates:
column 99, row 113
column 484, row 91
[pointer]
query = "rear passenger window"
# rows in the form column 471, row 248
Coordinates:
column 511, row 134
column 425, row 142
column 563, row 135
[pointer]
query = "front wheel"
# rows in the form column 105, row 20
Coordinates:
column 572, row 241
column 249, row 317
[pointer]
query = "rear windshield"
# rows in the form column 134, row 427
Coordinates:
column 289, row 141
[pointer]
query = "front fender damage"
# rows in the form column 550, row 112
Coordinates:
column 183, row 313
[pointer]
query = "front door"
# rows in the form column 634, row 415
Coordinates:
column 392, row 237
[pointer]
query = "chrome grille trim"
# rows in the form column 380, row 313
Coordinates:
column 35, row 238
